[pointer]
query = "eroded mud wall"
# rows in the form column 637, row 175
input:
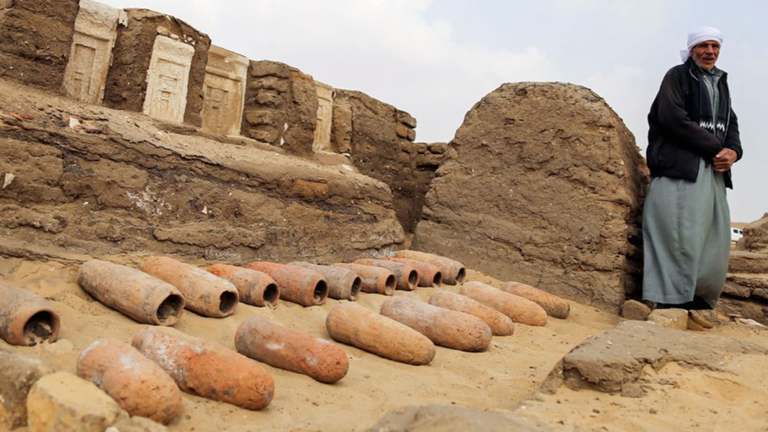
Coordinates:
column 280, row 107
column 35, row 40
column 379, row 139
column 126, row 187
column 544, row 185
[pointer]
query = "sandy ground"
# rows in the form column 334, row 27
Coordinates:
column 676, row 398
column 500, row 379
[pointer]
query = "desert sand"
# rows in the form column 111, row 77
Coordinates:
column 504, row 379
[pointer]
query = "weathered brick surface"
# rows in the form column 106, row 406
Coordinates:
column 280, row 107
column 35, row 40
column 543, row 185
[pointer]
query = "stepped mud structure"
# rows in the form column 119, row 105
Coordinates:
column 746, row 287
column 84, row 179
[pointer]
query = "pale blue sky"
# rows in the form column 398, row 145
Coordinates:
column 436, row 58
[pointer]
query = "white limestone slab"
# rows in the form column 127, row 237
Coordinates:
column 95, row 32
column 322, row 140
column 167, row 79
column 224, row 91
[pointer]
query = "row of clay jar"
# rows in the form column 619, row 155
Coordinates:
column 159, row 294
column 25, row 317
column 405, row 330
column 145, row 377
column 164, row 287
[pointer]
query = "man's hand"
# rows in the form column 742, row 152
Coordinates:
column 724, row 160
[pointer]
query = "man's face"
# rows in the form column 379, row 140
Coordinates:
column 705, row 53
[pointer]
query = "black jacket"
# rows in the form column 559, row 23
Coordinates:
column 682, row 129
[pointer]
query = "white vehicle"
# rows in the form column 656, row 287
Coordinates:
column 736, row 234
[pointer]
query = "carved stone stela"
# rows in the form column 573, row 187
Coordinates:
column 89, row 61
column 224, row 91
column 324, row 114
column 167, row 79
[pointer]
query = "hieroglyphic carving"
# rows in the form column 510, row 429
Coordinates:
column 224, row 91
column 92, row 42
column 324, row 115
column 167, row 79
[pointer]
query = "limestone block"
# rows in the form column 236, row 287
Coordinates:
column 670, row 318
column 95, row 32
column 617, row 360
column 63, row 402
column 17, row 375
column 324, row 116
column 224, row 91
column 167, row 79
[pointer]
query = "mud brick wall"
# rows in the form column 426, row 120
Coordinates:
column 127, row 79
column 379, row 139
column 35, row 40
column 544, row 185
column 411, row 189
column 280, row 107
column 133, row 189
column 746, row 288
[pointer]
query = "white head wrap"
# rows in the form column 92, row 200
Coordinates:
column 700, row 35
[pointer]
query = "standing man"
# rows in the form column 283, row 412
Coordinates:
column 693, row 142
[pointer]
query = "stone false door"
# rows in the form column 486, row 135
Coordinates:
column 322, row 141
column 224, row 91
column 90, row 58
column 167, row 79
